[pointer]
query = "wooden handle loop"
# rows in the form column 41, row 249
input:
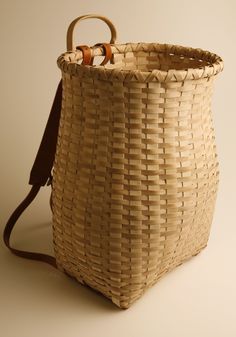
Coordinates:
column 70, row 31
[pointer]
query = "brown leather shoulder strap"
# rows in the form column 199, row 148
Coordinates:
column 11, row 223
column 41, row 171
column 39, row 176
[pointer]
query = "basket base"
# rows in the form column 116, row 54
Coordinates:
column 125, row 305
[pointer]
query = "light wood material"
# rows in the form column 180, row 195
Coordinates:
column 136, row 170
column 70, row 31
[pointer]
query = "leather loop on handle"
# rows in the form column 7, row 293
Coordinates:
column 107, row 52
column 87, row 55
column 70, row 31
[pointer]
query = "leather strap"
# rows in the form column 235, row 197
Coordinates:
column 107, row 52
column 39, row 176
column 41, row 171
column 87, row 56
column 11, row 223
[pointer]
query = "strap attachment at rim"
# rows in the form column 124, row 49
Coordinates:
column 88, row 56
column 107, row 52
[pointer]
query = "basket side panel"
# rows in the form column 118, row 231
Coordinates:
column 135, row 180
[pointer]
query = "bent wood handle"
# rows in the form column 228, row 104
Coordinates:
column 70, row 31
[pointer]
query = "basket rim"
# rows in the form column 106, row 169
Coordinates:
column 67, row 62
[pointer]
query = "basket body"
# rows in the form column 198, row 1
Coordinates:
column 136, row 173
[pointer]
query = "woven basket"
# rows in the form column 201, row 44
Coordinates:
column 136, row 172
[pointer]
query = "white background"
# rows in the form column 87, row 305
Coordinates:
column 198, row 298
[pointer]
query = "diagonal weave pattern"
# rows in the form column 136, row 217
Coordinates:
column 136, row 172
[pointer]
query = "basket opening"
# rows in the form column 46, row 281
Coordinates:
column 148, row 61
